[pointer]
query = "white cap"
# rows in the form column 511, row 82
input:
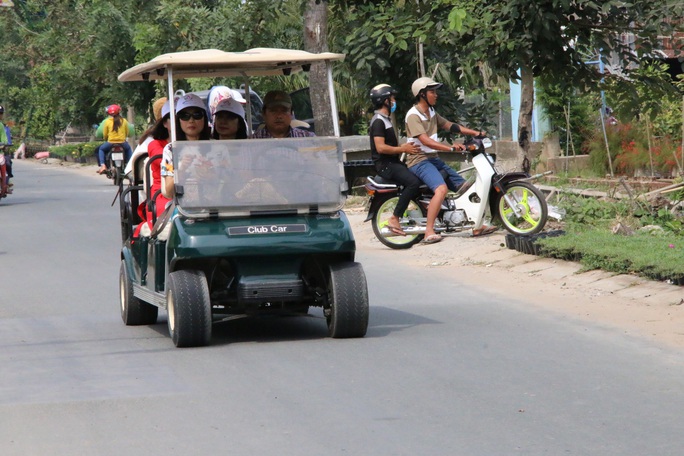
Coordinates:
column 218, row 93
column 230, row 105
column 189, row 100
column 166, row 109
column 237, row 96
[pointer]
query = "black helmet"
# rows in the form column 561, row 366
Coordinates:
column 380, row 93
column 2, row 110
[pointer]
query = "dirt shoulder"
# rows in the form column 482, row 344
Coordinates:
column 637, row 306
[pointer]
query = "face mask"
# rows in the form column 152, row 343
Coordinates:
column 394, row 107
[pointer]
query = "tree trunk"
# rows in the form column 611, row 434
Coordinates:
column 315, row 40
column 525, row 116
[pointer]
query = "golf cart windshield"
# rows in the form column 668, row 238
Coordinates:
column 259, row 176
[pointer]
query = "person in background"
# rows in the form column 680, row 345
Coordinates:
column 277, row 113
column 8, row 157
column 422, row 125
column 147, row 137
column 229, row 120
column 4, row 177
column 191, row 125
column 115, row 132
column 158, row 138
column 386, row 151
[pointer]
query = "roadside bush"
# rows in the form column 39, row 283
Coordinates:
column 75, row 151
column 583, row 213
column 628, row 145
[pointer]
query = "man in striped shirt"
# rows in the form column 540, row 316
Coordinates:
column 278, row 117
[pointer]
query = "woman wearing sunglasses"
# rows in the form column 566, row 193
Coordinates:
column 191, row 125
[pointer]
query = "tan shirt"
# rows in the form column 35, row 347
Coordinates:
column 417, row 123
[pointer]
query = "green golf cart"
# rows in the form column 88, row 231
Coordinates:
column 256, row 226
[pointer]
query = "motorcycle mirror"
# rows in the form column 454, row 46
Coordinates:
column 486, row 143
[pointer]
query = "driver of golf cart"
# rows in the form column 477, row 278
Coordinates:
column 277, row 112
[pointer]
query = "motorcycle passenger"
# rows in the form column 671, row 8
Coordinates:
column 115, row 131
column 191, row 125
column 277, row 111
column 386, row 151
column 422, row 124
column 4, row 172
column 5, row 140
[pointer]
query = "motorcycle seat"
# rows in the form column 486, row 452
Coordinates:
column 380, row 182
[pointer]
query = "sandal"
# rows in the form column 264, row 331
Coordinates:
column 396, row 230
column 432, row 239
column 485, row 230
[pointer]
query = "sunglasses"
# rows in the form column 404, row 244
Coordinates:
column 197, row 115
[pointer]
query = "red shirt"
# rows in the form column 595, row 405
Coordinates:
column 155, row 148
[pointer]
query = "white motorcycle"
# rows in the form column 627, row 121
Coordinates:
column 515, row 203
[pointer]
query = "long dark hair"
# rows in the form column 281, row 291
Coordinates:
column 157, row 131
column 204, row 134
column 117, row 122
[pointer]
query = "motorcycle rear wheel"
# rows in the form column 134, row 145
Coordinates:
column 381, row 217
column 532, row 207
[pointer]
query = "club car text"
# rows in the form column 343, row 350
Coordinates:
column 267, row 229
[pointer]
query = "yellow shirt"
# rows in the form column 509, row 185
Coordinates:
column 117, row 136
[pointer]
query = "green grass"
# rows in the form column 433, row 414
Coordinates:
column 653, row 256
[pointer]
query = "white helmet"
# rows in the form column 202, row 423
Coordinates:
column 423, row 83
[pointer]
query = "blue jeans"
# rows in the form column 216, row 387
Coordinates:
column 107, row 146
column 429, row 172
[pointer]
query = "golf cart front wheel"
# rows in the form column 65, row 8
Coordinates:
column 347, row 310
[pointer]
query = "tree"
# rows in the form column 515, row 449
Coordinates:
column 521, row 39
column 315, row 40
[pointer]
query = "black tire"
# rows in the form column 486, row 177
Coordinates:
column 134, row 312
column 379, row 221
column 189, row 308
column 116, row 176
column 347, row 310
column 125, row 217
column 530, row 202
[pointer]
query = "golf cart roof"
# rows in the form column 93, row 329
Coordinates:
column 215, row 63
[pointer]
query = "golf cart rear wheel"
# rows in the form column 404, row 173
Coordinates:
column 189, row 308
column 134, row 311
column 347, row 311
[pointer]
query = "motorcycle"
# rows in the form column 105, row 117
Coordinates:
column 515, row 203
column 114, row 161
column 5, row 164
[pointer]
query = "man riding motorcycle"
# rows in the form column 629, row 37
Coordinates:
column 422, row 124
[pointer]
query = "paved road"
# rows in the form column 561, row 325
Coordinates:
column 446, row 369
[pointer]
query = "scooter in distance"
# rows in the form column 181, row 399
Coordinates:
column 515, row 203
column 114, row 161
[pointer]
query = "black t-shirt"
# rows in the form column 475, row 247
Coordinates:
column 381, row 126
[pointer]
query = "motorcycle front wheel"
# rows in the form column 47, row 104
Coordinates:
column 380, row 224
column 529, row 203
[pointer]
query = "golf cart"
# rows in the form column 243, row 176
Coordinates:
column 256, row 226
